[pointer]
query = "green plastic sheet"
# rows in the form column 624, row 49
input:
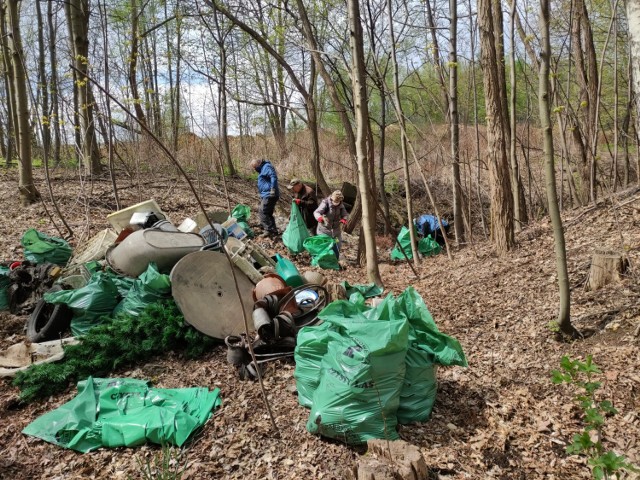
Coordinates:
column 242, row 213
column 150, row 287
column 367, row 291
column 41, row 248
column 322, row 254
column 5, row 281
column 90, row 304
column 296, row 232
column 124, row 412
column 427, row 246
column 425, row 346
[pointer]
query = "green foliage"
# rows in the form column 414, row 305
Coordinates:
column 124, row 341
column 168, row 464
column 580, row 375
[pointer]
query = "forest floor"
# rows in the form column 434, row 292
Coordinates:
column 499, row 418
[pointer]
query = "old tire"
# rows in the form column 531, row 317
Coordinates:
column 48, row 321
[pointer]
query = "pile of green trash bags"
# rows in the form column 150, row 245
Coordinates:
column 427, row 246
column 5, row 282
column 41, row 248
column 296, row 232
column 124, row 412
column 107, row 294
column 321, row 248
column 365, row 369
column 242, row 213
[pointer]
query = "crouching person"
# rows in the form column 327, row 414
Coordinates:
column 332, row 215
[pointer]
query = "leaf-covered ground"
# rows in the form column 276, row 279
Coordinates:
column 500, row 418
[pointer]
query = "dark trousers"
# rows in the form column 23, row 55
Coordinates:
column 265, row 213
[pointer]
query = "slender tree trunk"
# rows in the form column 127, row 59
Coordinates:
column 564, row 318
column 43, row 85
column 26, row 187
column 454, row 128
column 515, row 170
column 12, row 120
column 403, row 137
column 79, row 14
column 501, row 196
column 358, row 78
column 55, row 105
column 133, row 62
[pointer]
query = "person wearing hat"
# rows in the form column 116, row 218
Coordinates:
column 332, row 215
column 306, row 199
column 269, row 194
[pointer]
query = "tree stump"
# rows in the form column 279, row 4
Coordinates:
column 336, row 292
column 396, row 460
column 606, row 267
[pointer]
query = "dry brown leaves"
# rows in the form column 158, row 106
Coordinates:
column 500, row 418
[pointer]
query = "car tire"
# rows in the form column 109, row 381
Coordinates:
column 48, row 321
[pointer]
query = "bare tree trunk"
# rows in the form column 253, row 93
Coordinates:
column 55, row 105
column 12, row 120
column 454, row 128
column 501, row 197
column 358, row 78
column 43, row 85
column 26, row 187
column 515, row 170
column 79, row 15
column 403, row 138
column 564, row 318
column 133, row 62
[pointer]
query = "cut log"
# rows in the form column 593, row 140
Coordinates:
column 396, row 460
column 606, row 267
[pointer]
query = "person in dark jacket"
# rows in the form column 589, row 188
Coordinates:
column 269, row 194
column 332, row 215
column 306, row 199
column 429, row 225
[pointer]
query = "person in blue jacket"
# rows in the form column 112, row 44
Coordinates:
column 269, row 194
column 429, row 225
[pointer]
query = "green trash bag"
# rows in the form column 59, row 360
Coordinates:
column 4, row 286
column 427, row 246
column 125, row 412
column 41, row 248
column 296, row 232
column 242, row 213
column 150, row 287
column 367, row 291
column 89, row 304
column 361, row 378
column 311, row 345
column 321, row 248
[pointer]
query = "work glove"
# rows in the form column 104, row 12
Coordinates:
column 320, row 219
column 272, row 193
column 297, row 200
column 343, row 221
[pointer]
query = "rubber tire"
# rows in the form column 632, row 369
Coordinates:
column 48, row 321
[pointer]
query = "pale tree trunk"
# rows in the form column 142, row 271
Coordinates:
column 27, row 190
column 43, row 86
column 515, row 171
column 55, row 109
column 79, row 15
column 133, row 63
column 633, row 20
column 458, row 206
column 12, row 121
column 223, row 120
column 501, row 197
column 358, row 80
column 564, row 318
column 403, row 138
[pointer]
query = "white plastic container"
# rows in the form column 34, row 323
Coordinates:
column 120, row 219
column 188, row 226
column 233, row 229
